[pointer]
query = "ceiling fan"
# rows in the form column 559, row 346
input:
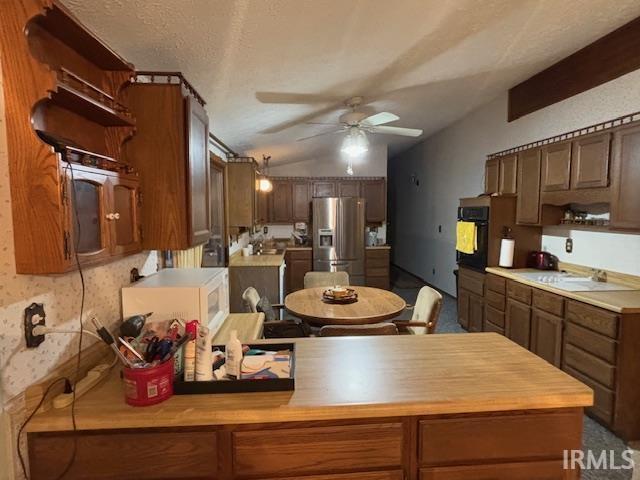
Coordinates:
column 357, row 124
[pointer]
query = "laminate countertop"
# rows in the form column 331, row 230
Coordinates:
column 355, row 377
column 237, row 260
column 623, row 301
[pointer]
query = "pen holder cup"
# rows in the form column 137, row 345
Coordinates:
column 148, row 386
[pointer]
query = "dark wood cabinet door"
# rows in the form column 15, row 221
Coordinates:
column 528, row 203
column 374, row 193
column 590, row 161
column 492, row 176
column 298, row 264
column 518, row 323
column 348, row 188
column 476, row 313
column 556, row 167
column 464, row 298
column 323, row 188
column 262, row 207
column 508, row 175
column 625, row 201
column 546, row 336
column 301, row 193
column 281, row 206
column 240, row 190
column 125, row 226
column 198, row 172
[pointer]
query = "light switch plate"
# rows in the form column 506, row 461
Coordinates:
column 568, row 245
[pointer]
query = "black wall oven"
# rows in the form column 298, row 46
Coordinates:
column 479, row 216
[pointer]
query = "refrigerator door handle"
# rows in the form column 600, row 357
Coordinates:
column 339, row 264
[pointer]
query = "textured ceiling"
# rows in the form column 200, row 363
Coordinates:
column 428, row 61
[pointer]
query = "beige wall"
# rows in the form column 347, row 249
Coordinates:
column 450, row 165
column 20, row 367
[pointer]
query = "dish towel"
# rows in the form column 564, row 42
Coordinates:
column 466, row 237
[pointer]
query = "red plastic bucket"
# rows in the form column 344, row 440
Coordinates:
column 148, row 386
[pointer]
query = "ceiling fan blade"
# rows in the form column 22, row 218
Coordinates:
column 333, row 124
column 295, row 98
column 318, row 135
column 405, row 132
column 380, row 118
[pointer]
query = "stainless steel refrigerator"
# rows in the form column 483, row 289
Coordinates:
column 338, row 236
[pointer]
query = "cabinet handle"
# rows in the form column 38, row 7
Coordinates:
column 116, row 216
column 110, row 216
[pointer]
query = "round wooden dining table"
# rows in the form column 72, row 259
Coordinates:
column 374, row 305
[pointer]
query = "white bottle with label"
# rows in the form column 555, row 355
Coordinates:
column 204, row 356
column 233, row 354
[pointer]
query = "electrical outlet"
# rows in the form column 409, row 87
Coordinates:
column 433, row 271
column 568, row 245
column 265, row 230
column 33, row 316
column 439, row 228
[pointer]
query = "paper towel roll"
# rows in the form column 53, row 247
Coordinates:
column 507, row 246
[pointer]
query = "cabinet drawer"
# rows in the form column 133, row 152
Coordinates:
column 603, row 398
column 548, row 302
column 589, row 365
column 593, row 318
column 494, row 299
column 545, row 470
column 490, row 327
column 471, row 281
column 496, row 283
column 371, row 253
column 519, row 292
column 149, row 455
column 386, row 475
column 299, row 254
column 494, row 316
column 468, row 440
column 377, row 272
column 296, row 451
column 377, row 262
column 589, row 341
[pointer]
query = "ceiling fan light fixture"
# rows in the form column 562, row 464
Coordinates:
column 355, row 143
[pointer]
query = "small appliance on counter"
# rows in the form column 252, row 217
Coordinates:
column 300, row 234
column 372, row 237
column 542, row 261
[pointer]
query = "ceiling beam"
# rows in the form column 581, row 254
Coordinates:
column 609, row 57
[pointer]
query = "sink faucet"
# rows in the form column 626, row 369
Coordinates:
column 598, row 275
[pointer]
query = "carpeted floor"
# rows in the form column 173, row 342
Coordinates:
column 595, row 436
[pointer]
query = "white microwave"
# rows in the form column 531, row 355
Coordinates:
column 185, row 293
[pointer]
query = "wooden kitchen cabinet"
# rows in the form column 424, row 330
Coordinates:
column 476, row 313
column 324, row 188
column 348, row 188
column 471, row 299
column 464, row 298
column 377, row 268
column 492, row 176
column 518, row 322
column 508, row 184
column 374, row 193
column 556, row 167
column 281, row 207
column 262, row 207
column 125, row 227
column 528, row 203
column 170, row 150
column 546, row 336
column 625, row 178
column 590, row 161
column 241, row 192
column 301, row 199
column 298, row 262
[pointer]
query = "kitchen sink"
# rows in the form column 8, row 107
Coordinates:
column 571, row 283
column 271, row 251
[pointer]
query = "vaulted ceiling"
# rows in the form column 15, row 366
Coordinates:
column 265, row 67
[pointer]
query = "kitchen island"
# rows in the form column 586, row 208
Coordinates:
column 433, row 407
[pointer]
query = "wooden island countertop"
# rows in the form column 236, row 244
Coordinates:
column 351, row 378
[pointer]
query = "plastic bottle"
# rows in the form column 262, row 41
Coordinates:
column 204, row 356
column 233, row 353
column 190, row 351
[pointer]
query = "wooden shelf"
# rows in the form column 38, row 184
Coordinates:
column 81, row 103
column 62, row 24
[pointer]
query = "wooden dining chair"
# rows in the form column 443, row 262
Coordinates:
column 426, row 312
column 358, row 330
column 325, row 279
column 273, row 326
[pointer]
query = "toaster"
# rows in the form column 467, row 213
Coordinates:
column 542, row 261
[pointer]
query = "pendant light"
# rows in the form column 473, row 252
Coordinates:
column 355, row 143
column 264, row 184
